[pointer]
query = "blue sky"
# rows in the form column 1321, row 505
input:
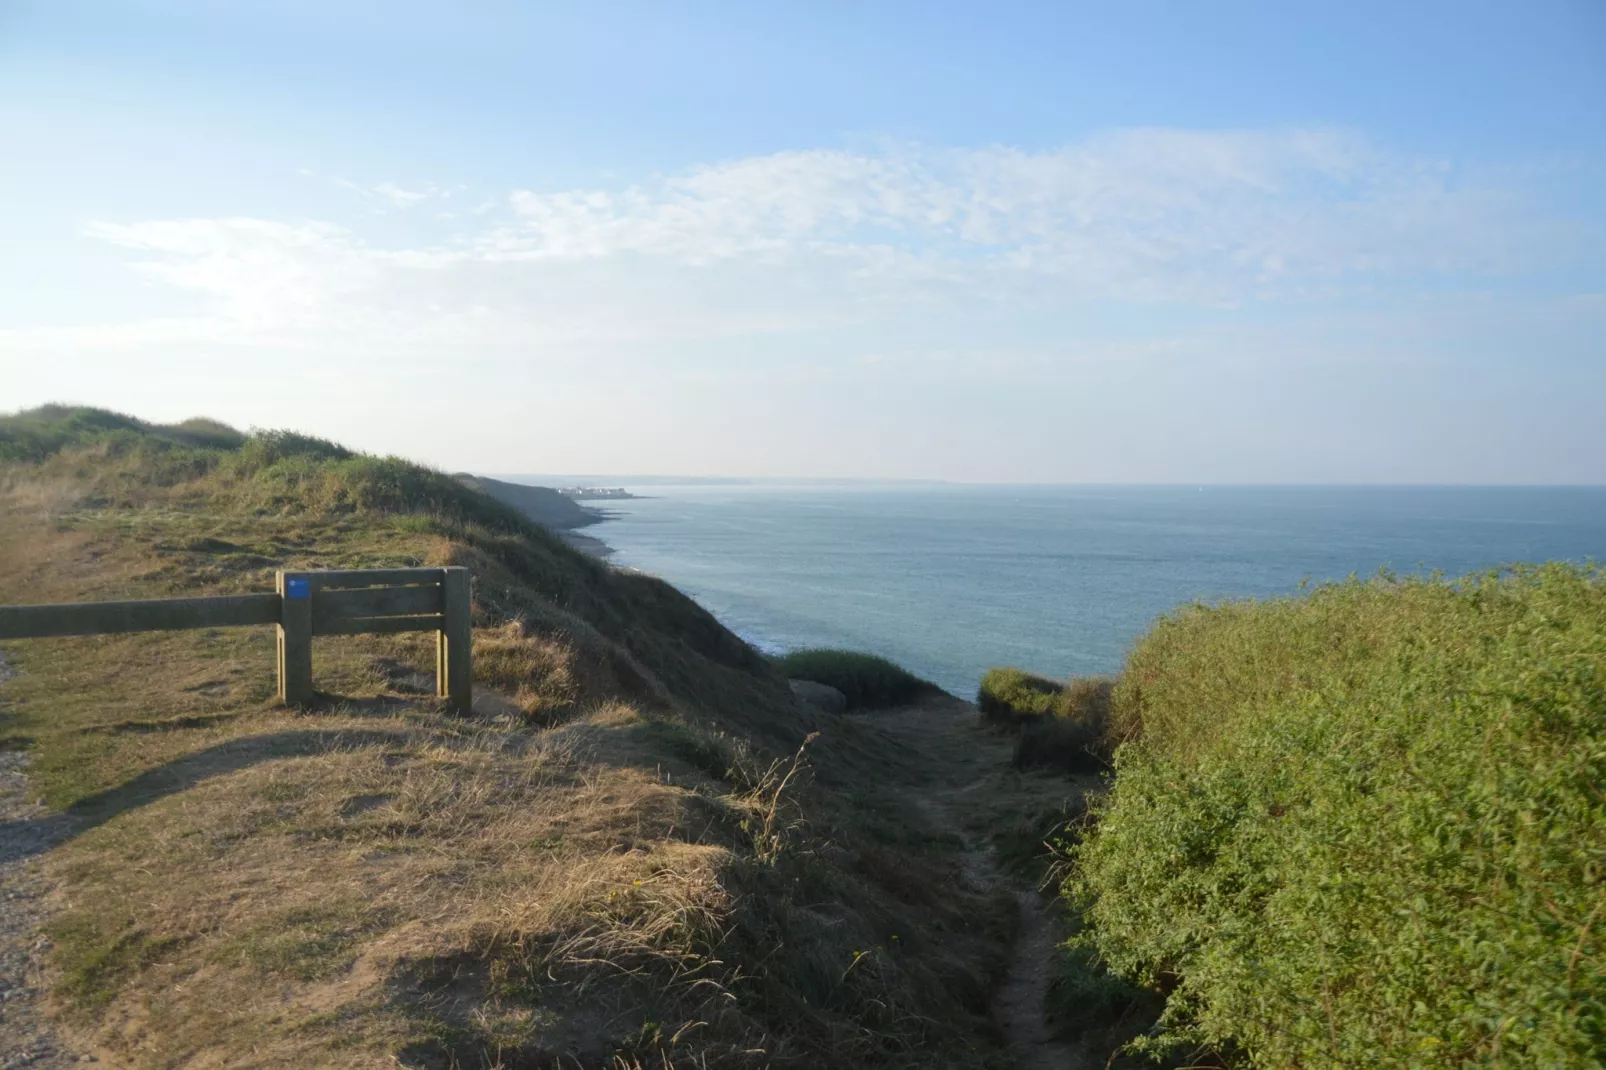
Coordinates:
column 1220, row 242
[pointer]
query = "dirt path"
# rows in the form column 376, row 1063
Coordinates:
column 27, row 830
column 968, row 786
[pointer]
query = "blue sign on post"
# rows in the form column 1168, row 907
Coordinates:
column 298, row 588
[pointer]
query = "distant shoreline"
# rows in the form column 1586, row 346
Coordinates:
column 589, row 545
column 550, row 508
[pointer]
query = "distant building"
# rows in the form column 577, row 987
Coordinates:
column 595, row 492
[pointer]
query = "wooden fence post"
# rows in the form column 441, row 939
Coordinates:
column 295, row 638
column 454, row 644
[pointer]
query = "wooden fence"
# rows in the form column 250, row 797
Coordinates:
column 302, row 605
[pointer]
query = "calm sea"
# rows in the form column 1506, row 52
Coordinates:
column 949, row 580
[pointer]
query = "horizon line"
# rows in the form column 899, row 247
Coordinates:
column 643, row 478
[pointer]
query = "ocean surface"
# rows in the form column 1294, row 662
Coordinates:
column 948, row 580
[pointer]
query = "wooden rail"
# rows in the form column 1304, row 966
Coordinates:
column 303, row 604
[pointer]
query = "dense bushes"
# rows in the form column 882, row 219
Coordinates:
column 1366, row 827
column 865, row 680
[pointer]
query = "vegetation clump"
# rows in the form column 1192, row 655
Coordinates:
column 1062, row 725
column 1011, row 695
column 1074, row 735
column 1366, row 826
column 865, row 680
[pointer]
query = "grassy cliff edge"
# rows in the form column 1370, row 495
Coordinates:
column 621, row 859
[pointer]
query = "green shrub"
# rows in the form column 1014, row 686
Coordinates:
column 1010, row 694
column 868, row 682
column 1366, row 827
column 1062, row 725
column 1073, row 735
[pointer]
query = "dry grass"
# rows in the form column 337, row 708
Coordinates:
column 620, row 860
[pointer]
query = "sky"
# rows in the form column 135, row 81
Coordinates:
column 1072, row 242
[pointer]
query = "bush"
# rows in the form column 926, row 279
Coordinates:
column 1010, row 694
column 868, row 682
column 1062, row 725
column 1072, row 736
column 1366, row 827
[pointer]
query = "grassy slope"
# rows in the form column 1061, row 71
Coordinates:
column 601, row 863
column 1366, row 827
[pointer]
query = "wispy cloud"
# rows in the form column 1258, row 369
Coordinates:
column 394, row 195
column 817, row 239
column 1151, row 214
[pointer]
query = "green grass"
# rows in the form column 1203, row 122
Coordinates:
column 99, row 956
column 1366, row 827
column 867, row 681
column 306, row 943
column 1010, row 694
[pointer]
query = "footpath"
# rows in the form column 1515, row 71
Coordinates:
column 27, row 831
column 966, row 785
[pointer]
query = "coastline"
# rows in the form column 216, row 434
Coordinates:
column 558, row 513
column 587, row 544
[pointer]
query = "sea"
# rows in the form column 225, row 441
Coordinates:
column 948, row 580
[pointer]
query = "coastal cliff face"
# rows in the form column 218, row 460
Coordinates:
column 544, row 505
column 619, row 859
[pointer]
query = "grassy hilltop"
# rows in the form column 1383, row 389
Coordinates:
column 620, row 859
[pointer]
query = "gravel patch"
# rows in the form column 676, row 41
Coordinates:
column 27, row 830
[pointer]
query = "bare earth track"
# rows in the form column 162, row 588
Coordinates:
column 967, row 786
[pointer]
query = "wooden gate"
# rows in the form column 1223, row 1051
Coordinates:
column 302, row 605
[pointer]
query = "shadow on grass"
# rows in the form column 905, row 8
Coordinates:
column 25, row 837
